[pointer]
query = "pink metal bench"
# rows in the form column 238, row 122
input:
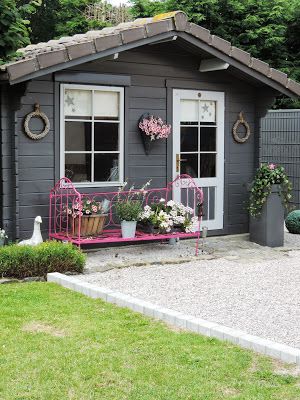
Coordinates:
column 64, row 196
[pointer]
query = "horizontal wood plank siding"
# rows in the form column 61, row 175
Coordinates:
column 152, row 70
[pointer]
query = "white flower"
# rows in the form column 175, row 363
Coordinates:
column 162, row 200
column 170, row 203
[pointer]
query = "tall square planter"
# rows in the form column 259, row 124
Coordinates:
column 267, row 229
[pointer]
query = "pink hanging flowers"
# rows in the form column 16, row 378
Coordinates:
column 154, row 127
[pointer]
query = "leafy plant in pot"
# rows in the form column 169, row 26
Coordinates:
column 270, row 194
column 129, row 207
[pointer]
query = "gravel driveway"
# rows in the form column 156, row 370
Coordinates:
column 261, row 298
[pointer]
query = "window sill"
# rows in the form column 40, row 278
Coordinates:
column 97, row 184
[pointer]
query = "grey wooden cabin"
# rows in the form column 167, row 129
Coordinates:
column 94, row 87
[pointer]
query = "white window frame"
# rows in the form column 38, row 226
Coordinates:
column 120, row 121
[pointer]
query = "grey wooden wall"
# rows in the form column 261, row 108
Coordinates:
column 154, row 72
column 280, row 144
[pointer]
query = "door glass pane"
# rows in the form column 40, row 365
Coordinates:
column 78, row 104
column 207, row 111
column 78, row 167
column 189, row 165
column 106, row 136
column 106, row 167
column 189, row 138
column 207, row 165
column 207, row 139
column 78, row 136
column 106, row 105
column 189, row 112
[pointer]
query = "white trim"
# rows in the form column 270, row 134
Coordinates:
column 119, row 121
column 218, row 181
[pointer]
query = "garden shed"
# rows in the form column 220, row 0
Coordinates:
column 92, row 90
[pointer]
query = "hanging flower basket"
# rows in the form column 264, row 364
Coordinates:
column 152, row 128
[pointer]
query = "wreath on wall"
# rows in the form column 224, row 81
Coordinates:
column 37, row 113
column 236, row 135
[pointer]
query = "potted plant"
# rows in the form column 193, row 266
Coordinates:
column 92, row 217
column 3, row 236
column 128, row 208
column 152, row 128
column 167, row 217
column 270, row 194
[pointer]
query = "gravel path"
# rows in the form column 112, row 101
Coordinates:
column 261, row 298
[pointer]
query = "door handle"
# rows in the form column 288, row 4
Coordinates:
column 178, row 160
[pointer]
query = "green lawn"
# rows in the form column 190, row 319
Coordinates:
column 57, row 344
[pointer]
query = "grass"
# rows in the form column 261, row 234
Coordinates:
column 57, row 344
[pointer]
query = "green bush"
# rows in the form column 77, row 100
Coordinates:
column 292, row 222
column 25, row 261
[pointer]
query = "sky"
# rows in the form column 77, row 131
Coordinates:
column 117, row 2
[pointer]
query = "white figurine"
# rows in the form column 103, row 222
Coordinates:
column 36, row 237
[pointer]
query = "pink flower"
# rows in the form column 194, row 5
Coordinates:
column 272, row 166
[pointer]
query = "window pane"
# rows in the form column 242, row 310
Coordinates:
column 106, row 167
column 207, row 165
column 106, row 105
column 189, row 111
column 189, row 139
column 78, row 167
column 207, row 111
column 78, row 104
column 78, row 136
column 106, row 136
column 189, row 165
column 208, row 139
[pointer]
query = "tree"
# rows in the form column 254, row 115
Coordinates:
column 269, row 30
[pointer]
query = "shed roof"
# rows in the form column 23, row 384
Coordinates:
column 42, row 58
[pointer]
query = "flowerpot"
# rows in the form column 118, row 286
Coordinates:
column 147, row 227
column 147, row 142
column 91, row 225
column 128, row 229
column 267, row 229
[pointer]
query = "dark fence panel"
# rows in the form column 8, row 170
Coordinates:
column 280, row 144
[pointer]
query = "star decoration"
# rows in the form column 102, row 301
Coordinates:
column 205, row 108
column 69, row 100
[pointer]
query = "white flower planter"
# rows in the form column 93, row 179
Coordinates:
column 128, row 229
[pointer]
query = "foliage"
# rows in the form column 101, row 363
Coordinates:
column 58, row 344
column 266, row 176
column 168, row 216
column 129, row 203
column 269, row 30
column 25, row 261
column 88, row 207
column 56, row 18
column 292, row 222
column 154, row 127
column 14, row 27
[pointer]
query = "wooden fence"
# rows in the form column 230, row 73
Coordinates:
column 280, row 143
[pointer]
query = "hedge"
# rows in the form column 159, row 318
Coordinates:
column 26, row 261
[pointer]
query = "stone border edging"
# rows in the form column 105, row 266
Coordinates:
column 267, row 347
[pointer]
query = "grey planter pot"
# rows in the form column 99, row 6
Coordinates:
column 268, row 228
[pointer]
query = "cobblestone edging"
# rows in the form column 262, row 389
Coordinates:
column 264, row 346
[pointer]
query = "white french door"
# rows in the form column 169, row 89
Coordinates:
column 198, row 147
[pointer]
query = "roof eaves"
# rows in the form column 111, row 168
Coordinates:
column 243, row 57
